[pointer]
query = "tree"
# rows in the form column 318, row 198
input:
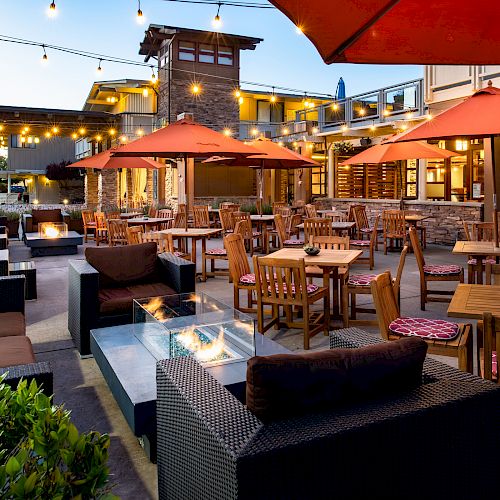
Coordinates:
column 3, row 163
column 60, row 173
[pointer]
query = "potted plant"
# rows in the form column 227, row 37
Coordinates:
column 42, row 454
column 12, row 222
column 75, row 221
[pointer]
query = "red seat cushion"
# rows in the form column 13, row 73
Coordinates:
column 436, row 329
column 473, row 262
column 442, row 269
column 16, row 351
column 294, row 242
column 311, row 288
column 360, row 243
column 247, row 279
column 361, row 279
column 216, row 251
column 12, row 324
column 495, row 364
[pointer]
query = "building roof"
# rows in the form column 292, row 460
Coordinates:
column 112, row 86
column 156, row 33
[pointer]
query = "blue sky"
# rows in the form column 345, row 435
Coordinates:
column 110, row 27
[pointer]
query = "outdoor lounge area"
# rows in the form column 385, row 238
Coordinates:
column 221, row 278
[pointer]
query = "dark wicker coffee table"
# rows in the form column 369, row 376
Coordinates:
column 130, row 372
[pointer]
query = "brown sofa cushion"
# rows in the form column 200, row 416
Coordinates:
column 119, row 300
column 16, row 351
column 288, row 384
column 123, row 265
column 12, row 324
column 49, row 215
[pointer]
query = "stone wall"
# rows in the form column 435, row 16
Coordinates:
column 91, row 186
column 444, row 225
column 108, row 193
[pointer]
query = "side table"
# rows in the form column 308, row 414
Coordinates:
column 28, row 270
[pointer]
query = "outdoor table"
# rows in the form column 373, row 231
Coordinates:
column 337, row 227
column 194, row 234
column 478, row 250
column 333, row 214
column 470, row 301
column 328, row 260
column 262, row 222
column 130, row 215
column 416, row 218
column 148, row 221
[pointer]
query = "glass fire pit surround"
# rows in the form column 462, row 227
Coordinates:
column 51, row 230
column 194, row 325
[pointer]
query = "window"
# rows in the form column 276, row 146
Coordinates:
column 225, row 56
column 24, row 141
column 206, row 53
column 187, row 51
column 318, row 181
column 270, row 112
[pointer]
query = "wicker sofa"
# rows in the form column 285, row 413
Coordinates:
column 437, row 441
column 16, row 353
column 96, row 303
column 30, row 221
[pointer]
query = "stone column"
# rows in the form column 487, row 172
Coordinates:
column 422, row 180
column 130, row 188
column 108, row 192
column 331, row 173
column 91, row 189
column 150, row 195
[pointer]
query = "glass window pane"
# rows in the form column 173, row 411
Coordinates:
column 206, row 53
column 225, row 56
column 187, row 51
column 263, row 111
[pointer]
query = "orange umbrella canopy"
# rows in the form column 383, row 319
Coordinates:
column 185, row 138
column 105, row 160
column 389, row 151
column 271, row 155
column 477, row 116
column 399, row 31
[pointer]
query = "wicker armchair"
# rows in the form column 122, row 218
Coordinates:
column 94, row 304
column 211, row 446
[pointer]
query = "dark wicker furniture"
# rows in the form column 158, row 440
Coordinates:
column 83, row 303
column 211, row 446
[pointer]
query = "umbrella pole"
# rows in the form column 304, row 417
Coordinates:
column 495, row 208
column 186, row 188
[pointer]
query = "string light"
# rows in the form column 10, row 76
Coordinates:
column 386, row 112
column 112, row 132
column 74, row 136
column 99, row 69
column 98, row 138
column 217, row 22
column 227, row 132
column 428, row 116
column 140, row 132
column 45, row 58
column 315, row 130
column 123, row 138
column 254, row 131
column 237, row 93
column 335, row 106
column 140, row 16
column 195, row 88
column 240, row 100
column 281, row 143
column 273, row 97
column 362, row 112
column 81, row 131
column 52, row 11
column 344, row 128
column 55, row 130
column 154, row 78
column 409, row 115
column 285, row 131
column 373, row 128
column 48, row 135
column 26, row 129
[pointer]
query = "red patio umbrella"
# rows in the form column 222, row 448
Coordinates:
column 476, row 116
column 186, row 139
column 399, row 31
column 105, row 160
column 273, row 156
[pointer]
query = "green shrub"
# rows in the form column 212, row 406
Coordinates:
column 252, row 209
column 267, row 210
column 11, row 216
column 74, row 214
column 42, row 454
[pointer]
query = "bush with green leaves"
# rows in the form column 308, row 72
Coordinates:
column 11, row 216
column 42, row 454
column 74, row 214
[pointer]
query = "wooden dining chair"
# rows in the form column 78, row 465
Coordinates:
column 101, row 232
column 367, row 245
column 112, row 214
column 472, row 234
column 226, row 220
column 164, row 242
column 317, row 227
column 117, row 229
column 165, row 213
column 489, row 350
column 243, row 226
column 283, row 236
column 360, row 284
column 310, row 211
column 133, row 234
column 394, row 228
column 201, row 217
column 241, row 275
column 277, row 206
column 89, row 224
column 443, row 338
column 432, row 273
column 153, row 211
column 492, row 273
column 282, row 283
column 292, row 229
column 180, row 220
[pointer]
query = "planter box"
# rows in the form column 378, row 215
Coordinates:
column 13, row 227
column 76, row 225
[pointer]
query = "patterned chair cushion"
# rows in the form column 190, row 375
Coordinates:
column 442, row 269
column 293, row 242
column 361, row 279
column 426, row 328
column 360, row 243
column 473, row 262
column 256, row 234
column 247, row 279
column 366, row 229
column 311, row 288
column 180, row 254
column 216, row 251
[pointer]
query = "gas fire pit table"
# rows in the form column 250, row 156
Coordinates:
column 53, row 239
column 221, row 338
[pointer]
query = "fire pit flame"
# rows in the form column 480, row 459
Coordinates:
column 155, row 308
column 51, row 232
column 202, row 352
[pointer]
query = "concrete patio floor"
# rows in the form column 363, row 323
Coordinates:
column 78, row 383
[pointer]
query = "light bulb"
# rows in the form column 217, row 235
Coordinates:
column 373, row 128
column 140, row 16
column 37, row 140
column 217, row 22
column 99, row 69
column 81, row 131
column 227, row 132
column 281, row 143
column 315, row 130
column 111, row 132
column 299, row 30
column 240, row 100
column 254, row 131
column 344, row 128
column 55, row 130
column 1, row 128
column 386, row 112
column 428, row 116
column 48, row 135
column 145, row 92
column 273, row 98
column 123, row 138
column 45, row 58
column 286, row 131
column 362, row 112
column 154, row 78
column 237, row 93
column 74, row 136
column 195, row 89
column 26, row 129
column 52, row 11
column 98, row 138
column 140, row 132
column 335, row 107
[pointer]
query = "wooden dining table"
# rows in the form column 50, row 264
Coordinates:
column 333, row 214
column 130, row 215
column 328, row 261
column 194, row 234
column 263, row 221
column 478, row 250
column 471, row 301
column 337, row 227
column 148, row 221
